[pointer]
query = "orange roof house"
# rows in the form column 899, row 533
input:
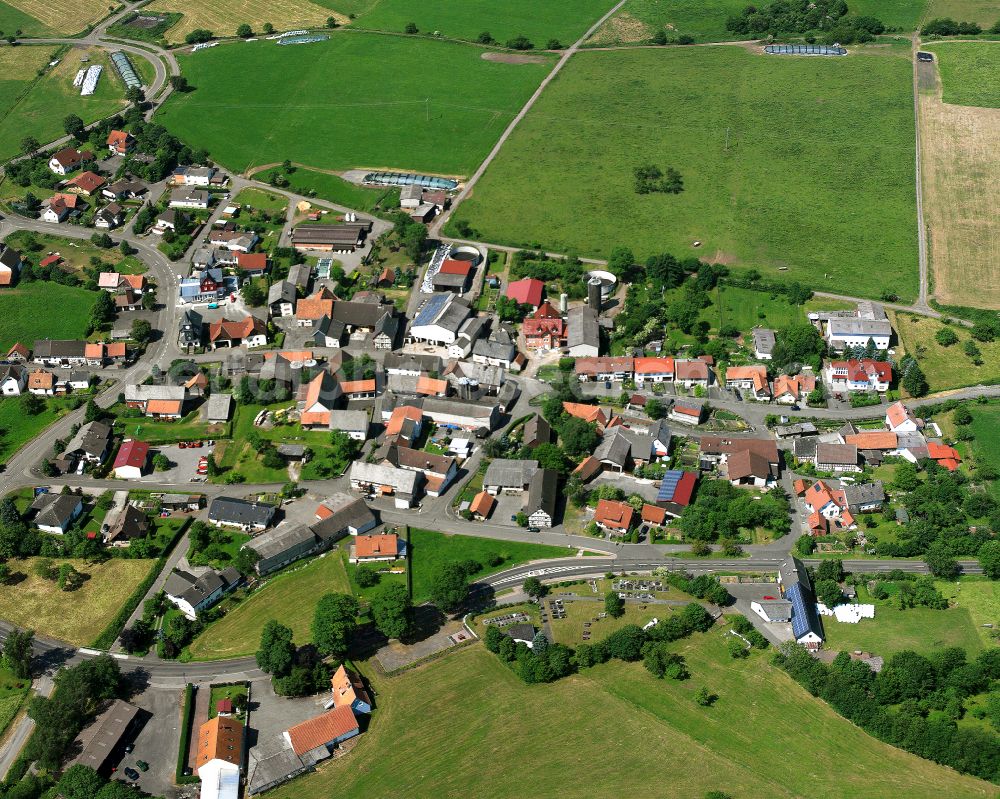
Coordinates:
column 432, row 387
column 589, row 467
column 589, row 413
column 41, row 381
column 86, row 182
column 400, row 415
column 873, row 439
column 326, row 730
column 164, row 407
column 945, row 456
column 482, row 505
column 614, row 516
column 116, row 349
column 252, row 261
column 120, row 141
column 350, row 387
column 652, row 514
column 349, row 691
column 220, row 738
column 315, row 306
column 376, row 547
column 93, row 352
column 321, row 395
column 754, row 377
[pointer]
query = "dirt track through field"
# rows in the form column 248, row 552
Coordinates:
column 961, row 166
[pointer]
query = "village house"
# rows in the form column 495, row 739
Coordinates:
column 692, row 373
column 55, row 513
column 92, row 443
column 247, row 332
column 376, row 548
column 281, row 298
column 583, row 332
column 763, row 343
column 508, row 476
column 323, row 393
column 604, row 368
column 716, row 450
column 10, row 265
column 653, row 370
column 752, row 380
column 42, row 383
column 675, row 491
column 13, row 379
column 589, row 413
column 789, row 390
column 314, row 740
column 828, row 509
column 56, row 352
column 204, row 285
column 688, row 413
column 348, row 690
column 614, row 517
column 158, row 402
column 129, row 525
column 455, row 413
column 250, row 517
column 354, row 423
column 526, row 292
column 863, row 375
column 544, row 329
column 120, row 142
column 68, row 159
column 482, row 506
column 109, row 217
column 124, row 189
column 471, row 330
column 197, row 176
column 383, row 479
column 540, row 502
column 189, row 198
column 193, row 594
column 219, row 756
column 58, row 207
column 833, row 457
column 900, row 419
column 132, row 460
column 536, row 431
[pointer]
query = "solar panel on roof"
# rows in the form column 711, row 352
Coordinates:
column 669, row 485
column 432, row 308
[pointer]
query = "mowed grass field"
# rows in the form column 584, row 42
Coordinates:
column 945, row 367
column 335, row 189
column 358, row 100
column 892, row 630
column 36, row 106
column 223, row 17
column 616, row 730
column 17, row 428
column 969, row 72
column 290, row 598
column 788, row 164
column 986, row 444
column 985, row 12
column 564, row 20
column 961, row 173
column 65, row 17
column 76, row 617
column 981, row 597
column 27, row 313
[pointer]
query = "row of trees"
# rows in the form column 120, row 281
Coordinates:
column 946, row 26
column 913, row 703
column 785, row 17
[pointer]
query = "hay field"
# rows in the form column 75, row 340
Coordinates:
column 960, row 149
column 66, row 16
column 223, row 17
column 985, row 12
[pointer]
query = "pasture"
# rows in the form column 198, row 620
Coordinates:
column 28, row 313
column 324, row 186
column 36, row 105
column 408, row 104
column 17, row 428
column 981, row 597
column 223, row 17
column 961, row 181
column 70, row 16
column 76, row 617
column 289, row 597
column 945, row 367
column 985, row 12
column 968, row 72
column 892, row 630
column 564, row 20
column 619, row 732
column 986, row 443
column 13, row 19
column 755, row 139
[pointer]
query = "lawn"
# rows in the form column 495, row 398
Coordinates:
column 12, row 694
column 75, row 253
column 985, row 12
column 36, row 106
column 747, row 309
column 222, row 17
column 619, row 732
column 968, row 72
column 945, row 367
column 986, row 438
column 981, row 598
column 335, row 189
column 752, row 138
column 430, row 550
column 13, row 19
column 164, row 431
column 77, row 617
column 563, row 20
column 569, row 631
column 407, row 104
column 225, row 692
column 17, row 429
column 920, row 629
column 289, row 597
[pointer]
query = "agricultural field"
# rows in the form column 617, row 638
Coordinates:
column 747, row 133
column 968, row 72
column 422, row 105
column 334, row 189
column 985, row 12
column 223, row 17
column 986, row 441
column 36, row 106
column 945, row 367
column 620, row 732
column 27, row 313
column 563, row 20
column 38, row 18
column 77, row 617
column 17, row 428
column 289, row 597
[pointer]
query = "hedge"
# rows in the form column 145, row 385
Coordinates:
column 110, row 633
column 182, row 752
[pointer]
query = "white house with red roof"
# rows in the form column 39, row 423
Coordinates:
column 859, row 375
column 132, row 459
column 900, row 419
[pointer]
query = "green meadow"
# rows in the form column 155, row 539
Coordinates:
column 969, row 72
column 357, row 100
column 799, row 167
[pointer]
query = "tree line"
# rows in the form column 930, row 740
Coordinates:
column 784, row 17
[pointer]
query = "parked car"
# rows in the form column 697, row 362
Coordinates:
column 132, row 774
column 182, row 445
column 213, row 305
column 142, row 765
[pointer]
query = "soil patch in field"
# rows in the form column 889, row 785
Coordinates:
column 513, row 58
column 622, row 28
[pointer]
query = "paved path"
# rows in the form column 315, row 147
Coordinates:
column 435, row 228
column 921, row 227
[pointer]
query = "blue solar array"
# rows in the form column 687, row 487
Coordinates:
column 431, row 309
column 803, row 611
column 669, row 485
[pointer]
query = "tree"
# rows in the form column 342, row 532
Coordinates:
column 199, row 35
column 661, row 662
column 32, row 404
column 365, row 576
column 142, row 331
column 620, row 262
column 655, row 408
column 391, row 609
column 704, row 697
column 578, row 437
column 730, row 547
column 244, row 31
column 549, row 456
column 989, row 559
column 534, row 588
column 135, row 95
column 941, row 561
column 411, row 28
column 92, row 412
column 179, row 83
column 246, row 559
column 277, row 651
column 614, row 605
column 828, row 592
column 485, row 38
column 832, row 569
column 17, row 652
column 253, row 294
column 135, row 638
column 103, row 311
column 334, row 622
column 946, row 337
column 29, row 145
column 449, row 587
column 161, row 462
column 914, row 381
column 267, row 27
column 80, row 782
column 74, row 126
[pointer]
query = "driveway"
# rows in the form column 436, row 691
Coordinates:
column 157, row 743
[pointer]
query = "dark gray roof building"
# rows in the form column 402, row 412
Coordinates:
column 233, row 512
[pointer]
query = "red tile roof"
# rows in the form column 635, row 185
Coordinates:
column 358, row 386
column 526, row 292
column 322, row 730
column 614, row 515
column 653, row 514
column 220, row 738
column 251, row 261
column 482, row 504
column 873, row 439
column 399, row 415
column 376, row 546
column 87, row 181
column 589, row 413
column 451, row 266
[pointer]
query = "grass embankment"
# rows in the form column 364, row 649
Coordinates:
column 749, row 744
column 421, row 105
column 334, row 189
column 76, row 617
column 946, row 367
column 747, row 133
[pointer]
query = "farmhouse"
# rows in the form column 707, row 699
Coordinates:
column 789, row 390
column 688, row 413
column 843, row 329
column 614, row 517
column 832, row 457
column 589, row 413
column 540, row 504
column 331, row 238
column 132, row 460
column 55, row 513
column 386, row 480
column 438, row 470
column 322, row 395
column 653, row 370
column 828, row 509
column 375, row 548
column 219, row 757
column 13, row 379
column 468, row 334
column 583, row 332
column 453, row 276
column 526, row 292
column 348, row 690
column 42, row 383
column 193, row 594
column 315, row 739
column 507, row 476
column 69, row 158
column 692, row 373
column 251, row 517
column 354, row 423
column 544, row 329
column 605, row 368
column 439, row 320
column 900, row 419
column 158, row 402
column 129, row 525
column 246, row 332
column 718, row 450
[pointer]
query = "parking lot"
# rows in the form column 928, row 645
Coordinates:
column 185, row 464
column 271, row 715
